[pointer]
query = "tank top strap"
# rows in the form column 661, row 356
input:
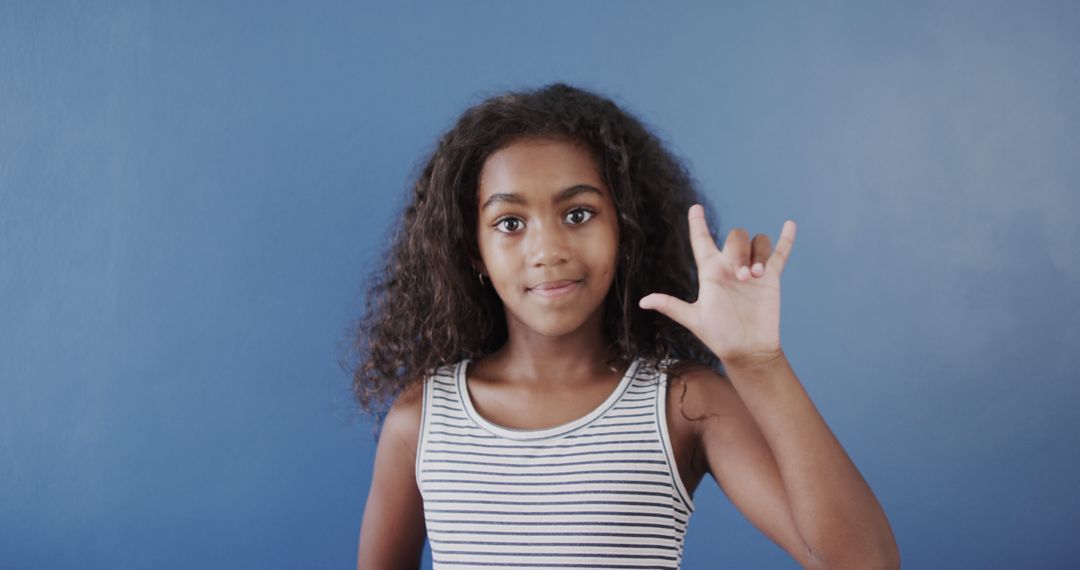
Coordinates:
column 664, row 433
column 442, row 408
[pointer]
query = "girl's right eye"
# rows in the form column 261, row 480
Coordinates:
column 506, row 219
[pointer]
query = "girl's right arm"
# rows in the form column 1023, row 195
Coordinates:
column 392, row 532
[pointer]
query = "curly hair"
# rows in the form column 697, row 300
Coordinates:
column 426, row 308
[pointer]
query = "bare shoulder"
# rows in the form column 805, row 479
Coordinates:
column 686, row 384
column 703, row 394
column 393, row 528
column 402, row 421
column 703, row 407
column 410, row 399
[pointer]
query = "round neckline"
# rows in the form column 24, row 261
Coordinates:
column 543, row 433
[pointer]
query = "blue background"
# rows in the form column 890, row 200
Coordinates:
column 192, row 192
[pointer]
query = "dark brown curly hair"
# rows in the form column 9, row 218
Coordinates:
column 426, row 307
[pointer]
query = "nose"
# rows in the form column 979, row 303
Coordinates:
column 548, row 244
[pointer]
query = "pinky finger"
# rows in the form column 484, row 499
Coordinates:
column 783, row 247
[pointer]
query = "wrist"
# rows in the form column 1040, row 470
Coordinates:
column 753, row 361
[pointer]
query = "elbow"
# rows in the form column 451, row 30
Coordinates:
column 883, row 559
column 882, row 555
column 891, row 558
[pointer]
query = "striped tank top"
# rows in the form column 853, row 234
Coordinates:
column 601, row 491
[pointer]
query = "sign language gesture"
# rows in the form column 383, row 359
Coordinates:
column 737, row 311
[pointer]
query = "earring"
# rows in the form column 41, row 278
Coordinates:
column 481, row 275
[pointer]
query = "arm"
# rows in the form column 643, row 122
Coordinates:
column 392, row 532
column 772, row 453
column 737, row 316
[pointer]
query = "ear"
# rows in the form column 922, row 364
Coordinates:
column 478, row 265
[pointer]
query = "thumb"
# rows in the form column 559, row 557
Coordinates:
column 671, row 307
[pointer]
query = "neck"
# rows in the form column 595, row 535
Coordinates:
column 574, row 358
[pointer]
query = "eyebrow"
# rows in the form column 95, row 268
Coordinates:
column 562, row 196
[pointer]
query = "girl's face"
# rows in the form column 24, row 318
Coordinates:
column 545, row 217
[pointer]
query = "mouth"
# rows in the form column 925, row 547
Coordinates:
column 555, row 292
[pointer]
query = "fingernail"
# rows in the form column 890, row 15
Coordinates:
column 744, row 271
column 758, row 268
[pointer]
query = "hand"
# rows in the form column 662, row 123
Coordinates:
column 737, row 311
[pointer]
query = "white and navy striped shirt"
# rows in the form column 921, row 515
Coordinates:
column 602, row 491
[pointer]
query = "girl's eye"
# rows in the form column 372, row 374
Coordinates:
column 511, row 219
column 571, row 213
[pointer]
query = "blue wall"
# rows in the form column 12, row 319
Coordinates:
column 191, row 194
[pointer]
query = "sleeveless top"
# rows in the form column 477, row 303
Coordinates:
column 601, row 491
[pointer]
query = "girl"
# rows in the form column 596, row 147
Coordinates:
column 527, row 329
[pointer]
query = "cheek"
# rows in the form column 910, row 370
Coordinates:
column 502, row 259
column 602, row 253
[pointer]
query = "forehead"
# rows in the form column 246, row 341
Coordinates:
column 538, row 165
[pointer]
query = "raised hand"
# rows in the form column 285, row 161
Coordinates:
column 737, row 311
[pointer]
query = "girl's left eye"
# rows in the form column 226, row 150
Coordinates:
column 585, row 210
column 517, row 220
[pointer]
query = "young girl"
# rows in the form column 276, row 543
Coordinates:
column 527, row 328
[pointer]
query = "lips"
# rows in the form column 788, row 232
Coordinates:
column 553, row 290
column 549, row 285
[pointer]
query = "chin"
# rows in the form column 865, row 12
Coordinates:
column 555, row 323
column 554, row 331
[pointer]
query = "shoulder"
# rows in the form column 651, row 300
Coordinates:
column 392, row 528
column 702, row 394
column 697, row 376
column 402, row 421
